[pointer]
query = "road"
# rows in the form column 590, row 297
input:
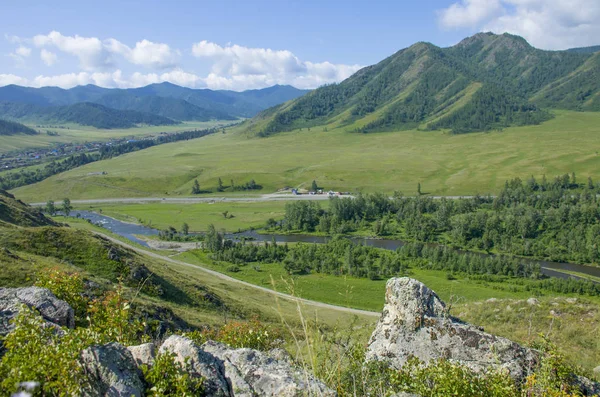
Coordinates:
column 233, row 280
column 194, row 200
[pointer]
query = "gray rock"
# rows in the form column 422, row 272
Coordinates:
column 143, row 354
column 533, row 302
column 255, row 373
column 597, row 370
column 51, row 308
column 111, row 371
column 415, row 322
column 586, row 386
column 202, row 363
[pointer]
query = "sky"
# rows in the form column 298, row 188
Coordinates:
column 246, row 44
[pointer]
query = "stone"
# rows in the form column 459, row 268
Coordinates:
column 533, row 302
column 255, row 373
column 597, row 370
column 52, row 309
column 415, row 322
column 111, row 371
column 200, row 363
column 143, row 354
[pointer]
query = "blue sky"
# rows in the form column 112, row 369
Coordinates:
column 253, row 44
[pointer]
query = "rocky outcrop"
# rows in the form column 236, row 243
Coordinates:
column 254, row 373
column 111, row 371
column 200, row 363
column 52, row 309
column 143, row 354
column 415, row 322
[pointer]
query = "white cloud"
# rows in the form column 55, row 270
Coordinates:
column 23, row 51
column 7, row 79
column 94, row 53
column 547, row 24
column 48, row 57
column 468, row 13
column 239, row 67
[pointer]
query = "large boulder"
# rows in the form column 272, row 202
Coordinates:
column 200, row 362
column 415, row 322
column 51, row 308
column 143, row 354
column 111, row 371
column 255, row 373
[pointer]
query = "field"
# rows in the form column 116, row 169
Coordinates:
column 444, row 164
column 240, row 215
column 78, row 133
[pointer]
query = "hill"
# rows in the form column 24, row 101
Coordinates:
column 485, row 82
column 16, row 213
column 585, row 50
column 164, row 99
column 12, row 128
column 84, row 113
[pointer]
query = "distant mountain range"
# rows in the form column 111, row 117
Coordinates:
column 485, row 82
column 156, row 104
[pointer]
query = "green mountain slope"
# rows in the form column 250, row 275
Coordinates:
column 485, row 82
column 16, row 213
column 12, row 128
column 85, row 113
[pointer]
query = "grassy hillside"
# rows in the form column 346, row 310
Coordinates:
column 85, row 113
column 443, row 164
column 486, row 82
column 14, row 212
column 12, row 128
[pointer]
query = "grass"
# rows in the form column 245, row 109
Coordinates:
column 77, row 133
column 339, row 160
column 241, row 215
column 359, row 293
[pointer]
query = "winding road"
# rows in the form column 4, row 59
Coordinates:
column 233, row 280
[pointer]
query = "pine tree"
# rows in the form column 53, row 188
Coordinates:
column 50, row 207
column 419, row 189
column 67, row 207
column 314, row 186
column 220, row 185
column 196, row 187
column 185, row 229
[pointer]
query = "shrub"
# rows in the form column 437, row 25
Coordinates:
column 167, row 377
column 237, row 334
column 66, row 286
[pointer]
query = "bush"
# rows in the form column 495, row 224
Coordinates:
column 167, row 377
column 66, row 286
column 237, row 334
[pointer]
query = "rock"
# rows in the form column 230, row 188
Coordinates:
column 597, row 370
column 415, row 322
column 586, row 386
column 255, row 373
column 533, row 302
column 571, row 300
column 202, row 363
column 51, row 308
column 111, row 371
column 143, row 354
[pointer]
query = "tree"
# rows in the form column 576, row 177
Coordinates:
column 590, row 183
column 67, row 207
column 419, row 189
column 314, row 186
column 232, row 185
column 50, row 207
column 225, row 213
column 185, row 229
column 213, row 240
column 196, row 187
column 220, row 185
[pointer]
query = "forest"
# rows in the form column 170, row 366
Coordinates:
column 12, row 128
column 558, row 220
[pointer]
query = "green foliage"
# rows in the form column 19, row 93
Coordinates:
column 15, row 212
column 12, row 128
column 167, row 377
column 65, row 286
column 240, row 334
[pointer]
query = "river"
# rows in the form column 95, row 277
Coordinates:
column 130, row 230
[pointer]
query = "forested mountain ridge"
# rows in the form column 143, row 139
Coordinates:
column 164, row 99
column 12, row 128
column 84, row 113
column 485, row 82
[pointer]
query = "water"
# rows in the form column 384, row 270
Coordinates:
column 129, row 230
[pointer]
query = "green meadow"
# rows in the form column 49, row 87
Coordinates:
column 444, row 164
column 229, row 216
column 79, row 134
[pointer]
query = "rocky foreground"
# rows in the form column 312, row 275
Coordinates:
column 414, row 322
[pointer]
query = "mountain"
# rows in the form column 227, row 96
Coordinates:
column 164, row 99
column 84, row 113
column 585, row 50
column 12, row 128
column 485, row 82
